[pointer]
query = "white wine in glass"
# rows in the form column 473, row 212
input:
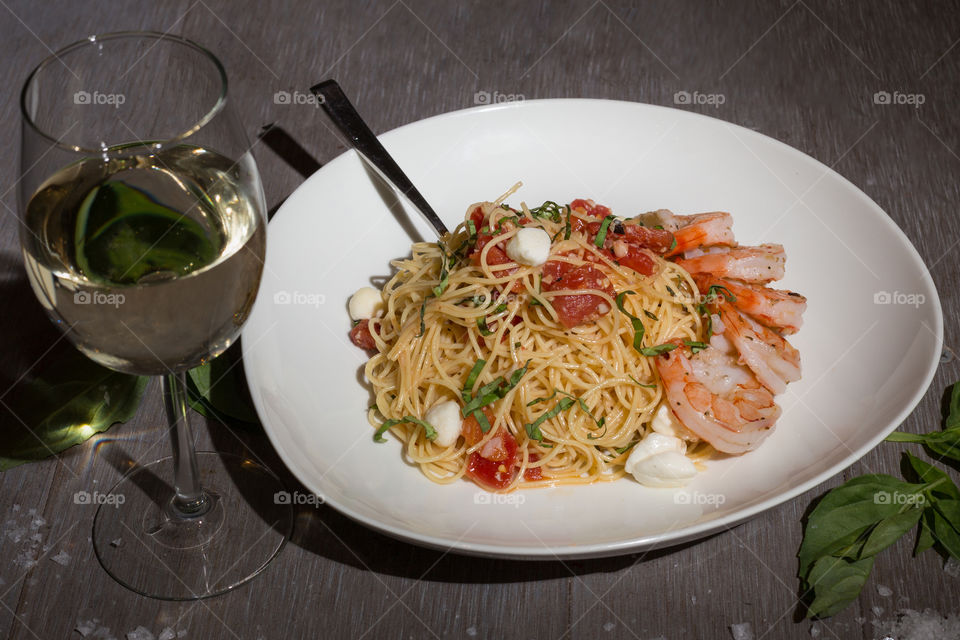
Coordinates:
column 143, row 234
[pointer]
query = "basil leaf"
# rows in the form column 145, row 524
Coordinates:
column 482, row 327
column 712, row 293
column 646, row 386
column 567, row 227
column 651, row 315
column 925, row 538
column 945, row 442
column 696, row 347
column 946, row 525
column 444, row 274
column 493, row 391
column 547, row 399
column 481, row 419
column 602, row 233
column 889, row 530
column 431, row 433
column 626, row 448
column 533, row 429
column 927, row 473
column 953, row 417
column 218, row 390
column 635, row 322
column 673, row 245
column 657, row 350
column 548, row 209
column 849, row 511
column 423, row 327
column 835, row 583
column 516, row 375
column 467, row 392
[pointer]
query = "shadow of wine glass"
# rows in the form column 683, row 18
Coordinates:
column 51, row 396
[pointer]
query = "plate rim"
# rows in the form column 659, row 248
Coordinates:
column 663, row 539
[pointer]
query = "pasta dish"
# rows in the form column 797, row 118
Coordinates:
column 561, row 344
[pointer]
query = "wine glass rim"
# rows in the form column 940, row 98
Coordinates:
column 116, row 35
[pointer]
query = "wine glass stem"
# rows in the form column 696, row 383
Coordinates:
column 190, row 500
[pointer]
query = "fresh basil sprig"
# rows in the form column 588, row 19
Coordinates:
column 945, row 443
column 864, row 516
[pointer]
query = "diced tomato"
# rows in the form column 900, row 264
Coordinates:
column 499, row 468
column 500, row 448
column 657, row 240
column 639, row 260
column 470, row 429
column 575, row 310
column 533, row 474
column 360, row 335
column 496, row 254
column 590, row 208
column 577, row 224
column 477, row 216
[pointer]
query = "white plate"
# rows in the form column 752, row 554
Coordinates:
column 866, row 364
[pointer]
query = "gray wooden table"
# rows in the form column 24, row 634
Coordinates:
column 804, row 72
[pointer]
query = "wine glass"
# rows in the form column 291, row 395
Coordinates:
column 144, row 233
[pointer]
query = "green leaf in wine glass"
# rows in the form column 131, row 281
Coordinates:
column 123, row 235
column 69, row 400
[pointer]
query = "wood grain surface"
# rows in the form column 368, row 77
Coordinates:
column 803, row 72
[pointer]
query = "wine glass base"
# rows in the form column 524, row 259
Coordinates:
column 143, row 545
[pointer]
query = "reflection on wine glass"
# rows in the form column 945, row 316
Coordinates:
column 143, row 234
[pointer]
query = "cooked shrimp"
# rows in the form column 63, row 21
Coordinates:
column 773, row 360
column 751, row 264
column 782, row 310
column 717, row 398
column 703, row 230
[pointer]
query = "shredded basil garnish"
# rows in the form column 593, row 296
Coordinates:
column 626, row 448
column 657, row 350
column 651, row 315
column 444, row 274
column 431, row 433
column 602, row 233
column 673, row 245
column 467, row 392
column 491, row 392
column 712, row 293
column 647, row 386
column 567, row 227
column 423, row 326
column 482, row 327
column 601, row 423
column 548, row 209
column 634, row 320
column 696, row 347
column 533, row 429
